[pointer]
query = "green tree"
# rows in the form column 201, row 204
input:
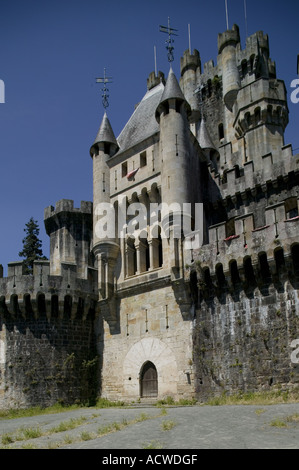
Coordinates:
column 32, row 246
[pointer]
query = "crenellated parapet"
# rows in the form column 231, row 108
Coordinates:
column 46, row 296
column 252, row 255
column 70, row 232
column 252, row 175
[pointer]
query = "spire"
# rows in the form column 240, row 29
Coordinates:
column 105, row 135
column 172, row 90
column 205, row 140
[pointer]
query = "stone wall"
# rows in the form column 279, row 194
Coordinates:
column 44, row 362
column 243, row 342
column 47, row 339
column 150, row 327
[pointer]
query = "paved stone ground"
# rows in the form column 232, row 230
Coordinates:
column 194, row 427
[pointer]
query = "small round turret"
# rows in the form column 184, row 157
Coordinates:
column 190, row 71
column 172, row 114
column 227, row 43
column 105, row 249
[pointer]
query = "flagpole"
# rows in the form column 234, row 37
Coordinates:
column 226, row 15
column 245, row 11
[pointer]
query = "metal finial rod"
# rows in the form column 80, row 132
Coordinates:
column 105, row 90
column 169, row 41
column 245, row 13
column 226, row 12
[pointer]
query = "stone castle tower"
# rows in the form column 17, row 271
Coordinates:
column 181, row 279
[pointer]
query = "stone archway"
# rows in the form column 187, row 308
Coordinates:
column 161, row 356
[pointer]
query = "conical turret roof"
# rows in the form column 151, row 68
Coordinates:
column 204, row 138
column 106, row 135
column 172, row 90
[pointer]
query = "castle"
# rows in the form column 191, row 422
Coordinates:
column 181, row 278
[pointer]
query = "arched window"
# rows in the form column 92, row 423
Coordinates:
column 131, row 257
column 257, row 116
column 247, row 119
column 148, row 380
column 244, row 68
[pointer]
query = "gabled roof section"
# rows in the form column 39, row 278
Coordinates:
column 142, row 124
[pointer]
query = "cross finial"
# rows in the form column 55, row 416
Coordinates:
column 105, row 95
column 171, row 32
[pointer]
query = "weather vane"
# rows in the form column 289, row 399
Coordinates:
column 105, row 95
column 169, row 41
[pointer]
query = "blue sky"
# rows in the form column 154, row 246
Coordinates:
column 50, row 55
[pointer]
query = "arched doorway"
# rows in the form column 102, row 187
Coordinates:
column 148, row 380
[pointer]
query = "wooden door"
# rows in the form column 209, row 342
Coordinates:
column 149, row 380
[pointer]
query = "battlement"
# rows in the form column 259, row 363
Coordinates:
column 190, row 61
column 41, row 294
column 70, row 231
column 258, row 39
column 277, row 240
column 67, row 205
column 237, row 179
column 154, row 80
column 257, row 45
column 228, row 38
column 251, row 258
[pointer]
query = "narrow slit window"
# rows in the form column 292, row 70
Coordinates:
column 124, row 169
column 143, row 159
column 221, row 131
